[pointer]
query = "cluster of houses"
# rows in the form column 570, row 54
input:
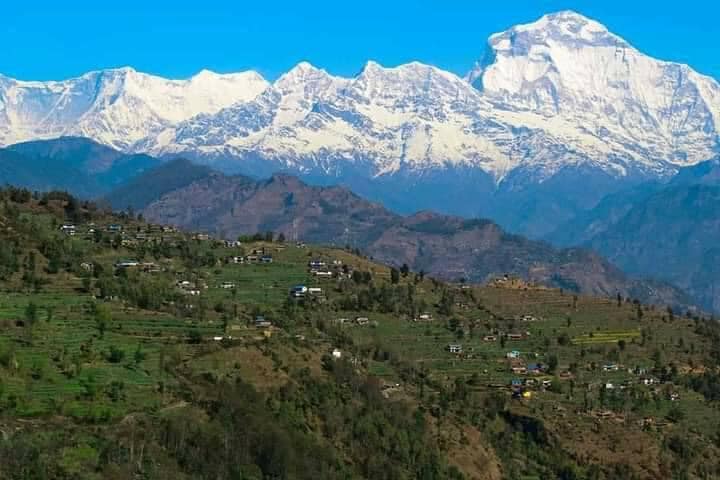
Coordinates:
column 515, row 336
column 187, row 287
column 128, row 237
column 302, row 291
column 256, row 256
column 147, row 267
column 360, row 321
column 330, row 269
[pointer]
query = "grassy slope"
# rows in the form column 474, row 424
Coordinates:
column 57, row 375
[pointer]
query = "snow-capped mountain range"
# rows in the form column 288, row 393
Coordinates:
column 118, row 107
column 562, row 92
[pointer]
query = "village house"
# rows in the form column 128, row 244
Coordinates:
column 322, row 273
column 336, row 353
column 233, row 244
column 424, row 317
column 489, row 338
column 518, row 370
column 362, row 320
column 227, row 285
column 262, row 322
column 314, row 291
column 128, row 242
column 127, row 264
column 114, row 227
column 515, row 336
column 535, row 368
column 455, row 348
column 513, row 354
column 610, row 367
column 266, row 259
column 150, row 267
column 298, row 291
column 68, row 229
column 316, row 264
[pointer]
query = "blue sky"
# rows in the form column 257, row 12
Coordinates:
column 55, row 39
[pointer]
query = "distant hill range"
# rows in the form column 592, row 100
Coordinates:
column 657, row 230
column 447, row 247
column 666, row 231
column 78, row 165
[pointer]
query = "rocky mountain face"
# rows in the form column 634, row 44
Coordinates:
column 558, row 114
column 444, row 246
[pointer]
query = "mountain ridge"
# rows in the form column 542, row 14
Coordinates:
column 448, row 247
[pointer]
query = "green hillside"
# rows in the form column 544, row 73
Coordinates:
column 130, row 350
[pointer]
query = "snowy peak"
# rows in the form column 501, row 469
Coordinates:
column 572, row 69
column 306, row 78
column 566, row 26
column 117, row 107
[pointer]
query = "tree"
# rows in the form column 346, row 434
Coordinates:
column 675, row 414
column 552, row 363
column 139, row 355
column 102, row 318
column 281, row 238
column 394, row 275
column 404, row 269
column 87, row 283
column 31, row 313
column 115, row 354
column 194, row 336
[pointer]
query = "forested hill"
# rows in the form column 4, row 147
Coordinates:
column 132, row 350
column 447, row 247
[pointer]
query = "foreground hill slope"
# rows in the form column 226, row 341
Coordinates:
column 447, row 247
column 131, row 350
